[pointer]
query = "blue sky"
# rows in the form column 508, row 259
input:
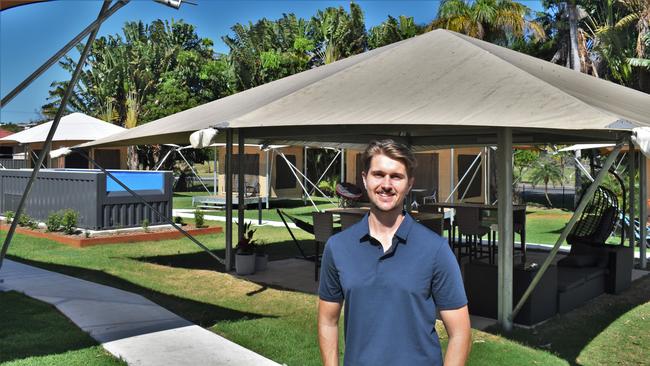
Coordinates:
column 31, row 34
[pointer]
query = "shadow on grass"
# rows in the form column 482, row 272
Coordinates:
column 33, row 328
column 277, row 251
column 201, row 260
column 202, row 314
column 568, row 334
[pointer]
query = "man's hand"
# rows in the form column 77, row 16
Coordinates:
column 328, row 331
column 456, row 322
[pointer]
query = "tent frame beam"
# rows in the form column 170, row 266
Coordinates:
column 567, row 229
column 47, row 145
column 92, row 27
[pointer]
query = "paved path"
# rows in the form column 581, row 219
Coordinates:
column 189, row 214
column 127, row 325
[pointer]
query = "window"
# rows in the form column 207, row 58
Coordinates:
column 464, row 163
column 284, row 177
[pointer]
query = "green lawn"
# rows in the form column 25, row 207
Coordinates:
column 35, row 333
column 281, row 324
column 294, row 207
column 276, row 323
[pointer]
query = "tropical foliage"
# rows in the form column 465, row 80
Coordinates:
column 496, row 21
column 393, row 30
column 546, row 171
column 153, row 70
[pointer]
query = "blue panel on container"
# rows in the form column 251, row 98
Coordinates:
column 137, row 181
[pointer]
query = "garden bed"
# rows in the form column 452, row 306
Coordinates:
column 80, row 241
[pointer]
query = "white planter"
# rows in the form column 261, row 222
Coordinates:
column 245, row 264
column 261, row 262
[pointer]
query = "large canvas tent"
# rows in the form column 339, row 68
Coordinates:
column 438, row 89
column 74, row 129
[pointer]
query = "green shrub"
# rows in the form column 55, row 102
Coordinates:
column 9, row 216
column 69, row 223
column 145, row 225
column 54, row 221
column 25, row 221
column 178, row 220
column 198, row 218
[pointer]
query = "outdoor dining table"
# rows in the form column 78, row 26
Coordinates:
column 488, row 217
column 360, row 211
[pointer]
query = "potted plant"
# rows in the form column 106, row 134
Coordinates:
column 261, row 257
column 245, row 252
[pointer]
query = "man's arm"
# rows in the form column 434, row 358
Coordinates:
column 456, row 322
column 328, row 331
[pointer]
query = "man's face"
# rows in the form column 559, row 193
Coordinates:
column 387, row 183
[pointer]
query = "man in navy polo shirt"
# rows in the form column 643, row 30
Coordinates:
column 392, row 274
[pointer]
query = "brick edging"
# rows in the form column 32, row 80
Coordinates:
column 116, row 239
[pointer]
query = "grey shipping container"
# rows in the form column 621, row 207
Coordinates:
column 100, row 201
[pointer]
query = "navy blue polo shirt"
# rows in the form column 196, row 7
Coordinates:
column 391, row 298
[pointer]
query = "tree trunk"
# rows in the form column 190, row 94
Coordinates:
column 546, row 194
column 573, row 34
column 133, row 161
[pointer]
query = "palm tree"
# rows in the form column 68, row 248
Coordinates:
column 496, row 21
column 546, row 170
column 393, row 30
column 338, row 34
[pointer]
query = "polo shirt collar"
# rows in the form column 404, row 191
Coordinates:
column 402, row 231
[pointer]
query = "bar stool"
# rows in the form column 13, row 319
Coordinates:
column 323, row 229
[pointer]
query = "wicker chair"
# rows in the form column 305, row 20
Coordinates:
column 597, row 221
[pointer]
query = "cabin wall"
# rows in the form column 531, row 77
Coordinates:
column 98, row 154
column 444, row 172
column 261, row 178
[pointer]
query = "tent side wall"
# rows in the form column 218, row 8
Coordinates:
column 440, row 165
column 109, row 158
column 283, row 185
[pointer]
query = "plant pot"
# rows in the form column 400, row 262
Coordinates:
column 245, row 264
column 261, row 261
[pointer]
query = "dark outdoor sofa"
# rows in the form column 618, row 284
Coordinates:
column 575, row 279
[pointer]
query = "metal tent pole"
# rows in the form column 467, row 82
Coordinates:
column 50, row 135
column 268, row 178
column 643, row 209
column 304, row 175
column 93, row 27
column 153, row 209
column 506, row 239
column 471, row 180
column 451, row 176
column 214, row 176
column 567, row 229
column 241, row 187
column 342, row 165
column 631, row 171
column 451, row 195
column 325, row 172
column 228, row 176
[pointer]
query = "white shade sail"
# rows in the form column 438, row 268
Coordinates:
column 437, row 89
column 74, row 127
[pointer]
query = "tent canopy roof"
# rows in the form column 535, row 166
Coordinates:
column 73, row 127
column 437, row 89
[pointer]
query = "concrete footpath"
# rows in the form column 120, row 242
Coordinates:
column 127, row 325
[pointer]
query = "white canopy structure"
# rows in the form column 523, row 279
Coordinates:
column 440, row 79
column 438, row 89
column 75, row 127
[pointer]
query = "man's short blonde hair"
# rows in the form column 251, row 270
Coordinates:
column 393, row 150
